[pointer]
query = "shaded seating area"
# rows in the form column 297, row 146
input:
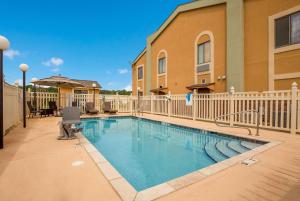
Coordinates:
column 108, row 109
column 90, row 109
column 33, row 111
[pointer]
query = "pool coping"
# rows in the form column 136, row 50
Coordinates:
column 128, row 193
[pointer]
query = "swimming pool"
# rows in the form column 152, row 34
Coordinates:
column 147, row 153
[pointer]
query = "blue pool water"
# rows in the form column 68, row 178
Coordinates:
column 148, row 153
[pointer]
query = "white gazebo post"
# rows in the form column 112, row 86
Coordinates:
column 94, row 94
column 231, row 107
column 294, row 107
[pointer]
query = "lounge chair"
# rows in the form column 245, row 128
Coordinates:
column 107, row 108
column 71, row 117
column 90, row 109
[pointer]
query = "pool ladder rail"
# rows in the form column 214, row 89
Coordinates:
column 235, row 126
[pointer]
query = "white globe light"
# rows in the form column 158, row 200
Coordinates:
column 4, row 43
column 24, row 67
column 94, row 85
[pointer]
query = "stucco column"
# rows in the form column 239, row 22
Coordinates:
column 235, row 44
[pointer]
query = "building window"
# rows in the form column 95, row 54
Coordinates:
column 287, row 30
column 140, row 73
column 162, row 65
column 203, row 55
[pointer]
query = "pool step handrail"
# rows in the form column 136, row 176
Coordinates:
column 235, row 126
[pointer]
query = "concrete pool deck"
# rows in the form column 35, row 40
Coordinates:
column 35, row 166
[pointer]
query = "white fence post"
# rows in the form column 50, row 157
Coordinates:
column 169, row 104
column 194, row 106
column 118, row 102
column 231, row 105
column 152, row 103
column 294, row 107
column 131, row 104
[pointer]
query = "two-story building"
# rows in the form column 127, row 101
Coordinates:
column 211, row 45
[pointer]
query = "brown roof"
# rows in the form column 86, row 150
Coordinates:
column 88, row 83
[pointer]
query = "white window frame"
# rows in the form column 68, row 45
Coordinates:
column 212, row 60
column 137, row 77
column 272, row 50
column 166, row 68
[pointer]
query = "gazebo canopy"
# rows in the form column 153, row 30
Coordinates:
column 57, row 81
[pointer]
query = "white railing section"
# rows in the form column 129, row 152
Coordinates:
column 279, row 110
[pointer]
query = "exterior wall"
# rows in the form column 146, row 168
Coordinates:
column 263, row 66
column 141, row 83
column 178, row 39
column 66, row 90
column 257, row 51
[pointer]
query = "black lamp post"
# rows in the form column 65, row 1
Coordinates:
column 94, row 96
column 24, row 68
column 4, row 44
column 33, row 80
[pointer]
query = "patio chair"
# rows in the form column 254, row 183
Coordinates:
column 33, row 111
column 52, row 107
column 75, row 104
column 107, row 108
column 90, row 109
column 70, row 118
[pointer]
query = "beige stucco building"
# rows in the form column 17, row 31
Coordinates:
column 211, row 45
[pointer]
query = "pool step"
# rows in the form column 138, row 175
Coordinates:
column 213, row 153
column 236, row 146
column 222, row 147
column 250, row 145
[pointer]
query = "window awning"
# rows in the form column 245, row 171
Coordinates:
column 159, row 90
column 209, row 86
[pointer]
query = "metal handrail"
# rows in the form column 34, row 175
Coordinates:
column 235, row 126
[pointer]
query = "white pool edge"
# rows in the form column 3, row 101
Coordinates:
column 128, row 193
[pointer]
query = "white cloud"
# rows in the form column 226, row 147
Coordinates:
column 11, row 54
column 128, row 87
column 123, row 71
column 54, row 61
column 56, row 69
column 110, row 84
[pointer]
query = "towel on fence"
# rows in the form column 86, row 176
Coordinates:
column 188, row 99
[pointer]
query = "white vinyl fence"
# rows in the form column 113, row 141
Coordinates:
column 12, row 106
column 279, row 110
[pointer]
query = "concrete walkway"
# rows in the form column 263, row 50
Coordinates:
column 34, row 166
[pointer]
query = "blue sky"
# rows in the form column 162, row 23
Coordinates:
column 93, row 40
